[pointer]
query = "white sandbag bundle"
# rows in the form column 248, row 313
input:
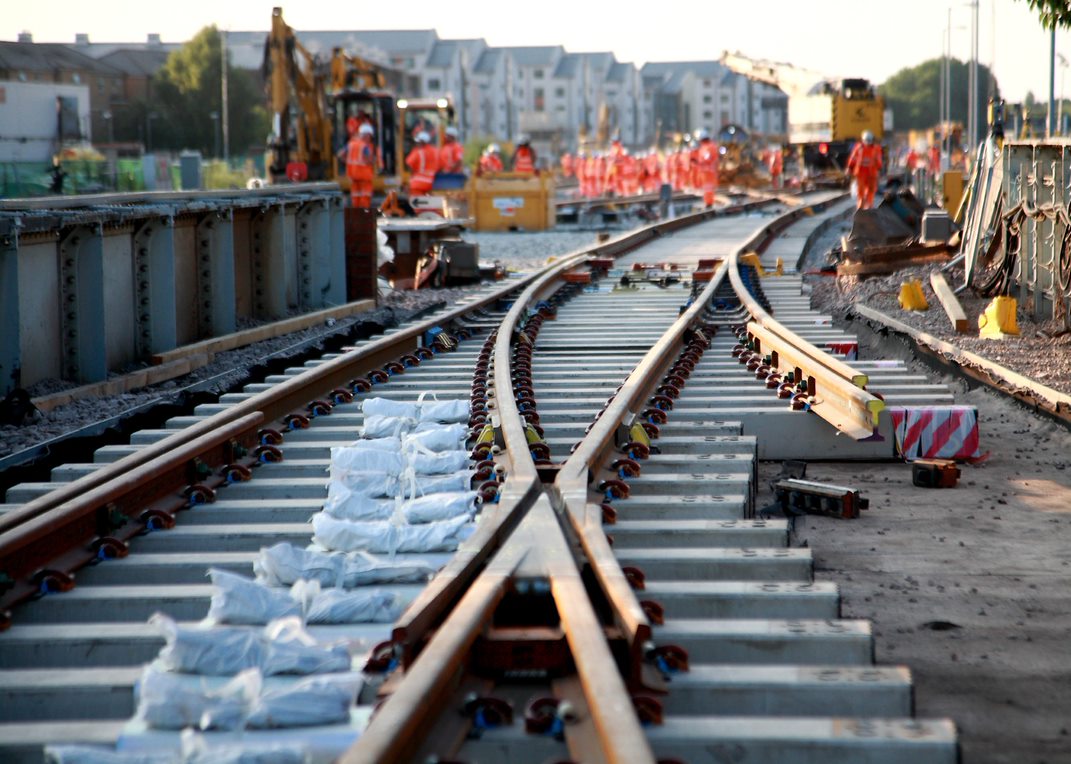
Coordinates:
column 450, row 437
column 168, row 701
column 350, row 506
column 238, row 600
column 389, row 537
column 358, row 606
column 371, row 484
column 346, row 459
column 283, row 647
column 386, row 426
column 292, row 650
column 197, row 750
column 378, row 444
column 389, row 408
column 310, row 702
column 443, row 411
column 439, row 506
column 438, row 463
column 419, row 485
column 92, row 754
column 284, row 564
column 216, row 651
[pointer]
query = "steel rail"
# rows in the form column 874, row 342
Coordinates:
column 837, row 392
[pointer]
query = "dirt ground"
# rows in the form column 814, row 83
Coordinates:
column 970, row 587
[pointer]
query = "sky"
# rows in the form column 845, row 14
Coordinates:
column 840, row 38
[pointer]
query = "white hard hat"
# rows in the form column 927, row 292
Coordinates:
column 365, row 129
column 868, row 137
column 522, row 139
column 451, row 131
column 702, row 134
column 422, row 137
column 493, row 149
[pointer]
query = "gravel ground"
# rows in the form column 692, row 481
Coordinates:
column 1041, row 351
column 968, row 587
column 517, row 251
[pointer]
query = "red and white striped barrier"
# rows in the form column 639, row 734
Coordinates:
column 936, row 432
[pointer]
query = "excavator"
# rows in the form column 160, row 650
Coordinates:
column 312, row 100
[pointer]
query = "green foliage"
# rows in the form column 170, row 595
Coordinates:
column 1053, row 13
column 914, row 93
column 188, row 90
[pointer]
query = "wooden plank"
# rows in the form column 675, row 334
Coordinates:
column 883, row 268
column 124, row 383
column 948, row 301
column 266, row 332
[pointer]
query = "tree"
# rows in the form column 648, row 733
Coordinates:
column 188, row 94
column 1053, row 13
column 914, row 93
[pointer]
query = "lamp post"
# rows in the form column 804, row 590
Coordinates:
column 1063, row 72
column 107, row 117
column 215, row 132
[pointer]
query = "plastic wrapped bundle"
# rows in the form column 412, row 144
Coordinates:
column 371, row 484
column 347, row 505
column 438, row 463
column 449, row 437
column 292, row 650
column 284, row 564
column 444, row 411
column 393, row 444
column 362, row 606
column 386, row 426
column 168, row 702
column 389, row 537
column 439, row 506
column 216, row 651
column 346, row 459
column 389, row 408
column 91, row 754
column 197, row 750
column 240, row 600
column 419, row 485
column 321, row 700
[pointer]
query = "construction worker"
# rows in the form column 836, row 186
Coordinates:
column 864, row 164
column 361, row 162
column 423, row 163
column 524, row 158
column 490, row 160
column 568, row 165
column 451, row 153
column 706, row 166
column 776, row 164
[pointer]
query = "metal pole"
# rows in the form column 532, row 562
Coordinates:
column 942, row 86
column 946, row 137
column 974, row 77
column 1052, row 82
column 226, row 120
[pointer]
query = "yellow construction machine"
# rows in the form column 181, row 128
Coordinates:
column 313, row 99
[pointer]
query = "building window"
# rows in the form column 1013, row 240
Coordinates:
column 724, row 99
column 100, row 87
column 708, row 115
column 538, row 74
column 706, row 83
column 537, row 96
column 561, row 107
column 434, row 84
column 76, row 78
column 707, row 99
column 559, row 92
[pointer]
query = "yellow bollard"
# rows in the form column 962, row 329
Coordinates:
column 911, row 296
column 999, row 319
column 780, row 269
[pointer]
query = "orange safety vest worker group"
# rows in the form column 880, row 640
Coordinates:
column 705, row 159
column 361, row 166
column 490, row 161
column 523, row 156
column 864, row 164
column 423, row 163
column 452, row 153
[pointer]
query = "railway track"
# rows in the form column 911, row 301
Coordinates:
column 619, row 598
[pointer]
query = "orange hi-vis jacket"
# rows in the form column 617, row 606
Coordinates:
column 423, row 162
column 360, row 159
column 706, row 164
column 523, row 161
column 490, row 163
column 450, row 157
column 865, row 161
